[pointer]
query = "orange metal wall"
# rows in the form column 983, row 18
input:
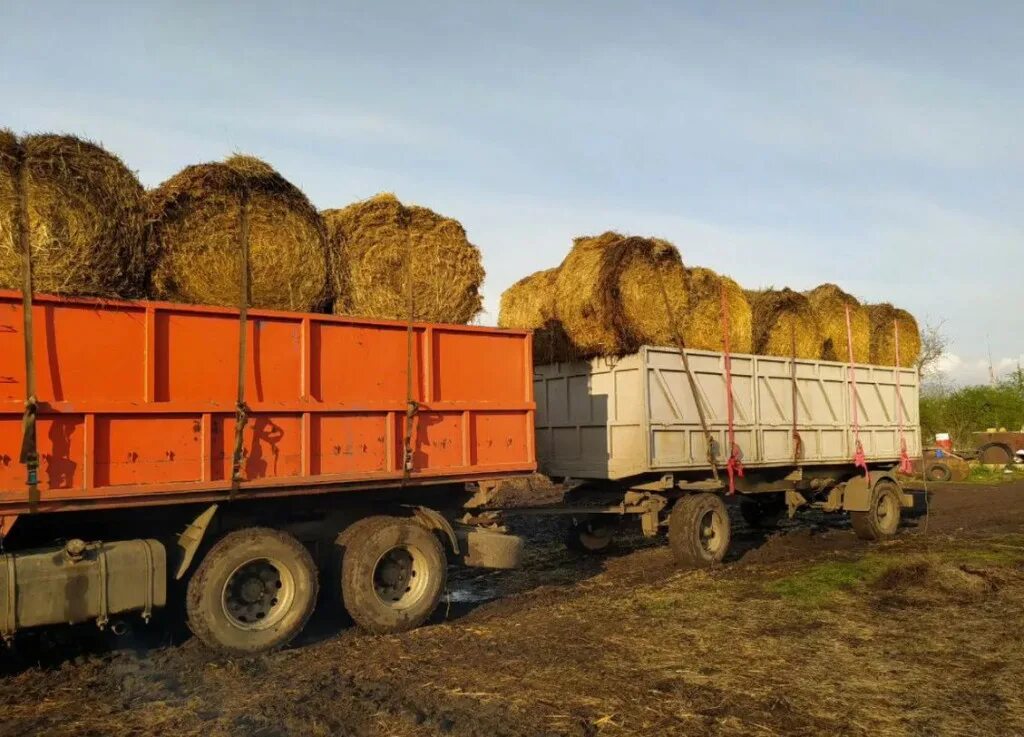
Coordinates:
column 137, row 400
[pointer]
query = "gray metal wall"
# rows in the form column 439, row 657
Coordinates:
column 613, row 418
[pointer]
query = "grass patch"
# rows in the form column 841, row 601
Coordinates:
column 983, row 474
column 995, row 555
column 819, row 583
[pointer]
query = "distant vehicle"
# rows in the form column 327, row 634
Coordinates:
column 999, row 446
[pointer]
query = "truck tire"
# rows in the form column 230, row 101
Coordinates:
column 762, row 512
column 331, row 601
column 393, row 573
column 591, row 535
column 882, row 520
column 254, row 591
column 698, row 530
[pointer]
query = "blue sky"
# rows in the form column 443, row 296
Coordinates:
column 873, row 144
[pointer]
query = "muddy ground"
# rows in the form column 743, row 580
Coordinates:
column 806, row 631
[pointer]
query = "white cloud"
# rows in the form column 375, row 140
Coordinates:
column 961, row 370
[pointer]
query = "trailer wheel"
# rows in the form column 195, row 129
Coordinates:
column 698, row 530
column 589, row 535
column 762, row 512
column 254, row 591
column 882, row 520
column 392, row 574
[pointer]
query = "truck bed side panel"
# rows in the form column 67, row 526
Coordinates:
column 138, row 399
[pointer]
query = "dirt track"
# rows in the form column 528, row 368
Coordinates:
column 807, row 631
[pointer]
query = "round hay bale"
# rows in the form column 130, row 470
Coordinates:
column 530, row 304
column 830, row 303
column 611, row 290
column 703, row 324
column 883, row 339
column 369, row 241
column 85, row 217
column 784, row 319
column 195, row 238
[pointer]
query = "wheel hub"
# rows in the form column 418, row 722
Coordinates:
column 257, row 594
column 400, row 577
column 710, row 527
column 886, row 512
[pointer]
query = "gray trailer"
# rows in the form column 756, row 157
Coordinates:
column 629, row 430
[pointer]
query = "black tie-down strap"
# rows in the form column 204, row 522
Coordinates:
column 29, row 454
column 244, row 297
column 412, row 407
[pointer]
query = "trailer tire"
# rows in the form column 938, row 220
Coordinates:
column 589, row 536
column 393, row 573
column 254, row 591
column 882, row 520
column 698, row 530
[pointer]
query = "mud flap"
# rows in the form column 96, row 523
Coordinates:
column 857, row 495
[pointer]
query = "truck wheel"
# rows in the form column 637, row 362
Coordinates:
column 762, row 512
column 698, row 530
column 254, row 591
column 392, row 574
column 589, row 535
column 882, row 520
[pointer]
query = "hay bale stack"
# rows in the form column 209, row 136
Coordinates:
column 85, row 218
column 611, row 290
column 830, row 303
column 703, row 325
column 883, row 339
column 370, row 242
column 529, row 304
column 784, row 320
column 195, row 238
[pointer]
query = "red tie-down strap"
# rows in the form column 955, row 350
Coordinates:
column 734, row 467
column 859, row 460
column 905, row 465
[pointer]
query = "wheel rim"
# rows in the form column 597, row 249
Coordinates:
column 401, row 577
column 887, row 512
column 258, row 594
column 711, row 533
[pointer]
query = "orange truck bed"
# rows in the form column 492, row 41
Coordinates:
column 137, row 403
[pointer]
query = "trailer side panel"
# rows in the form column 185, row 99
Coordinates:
column 616, row 418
